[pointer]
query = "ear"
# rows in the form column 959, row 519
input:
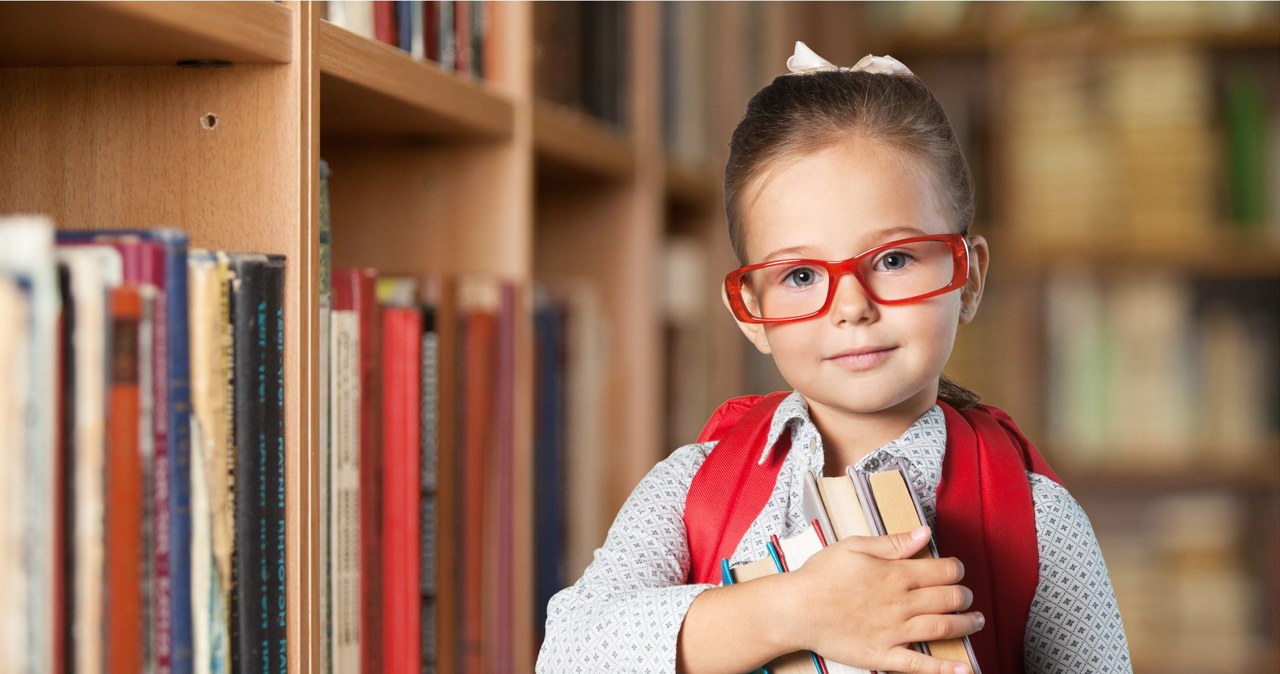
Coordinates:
column 753, row 331
column 971, row 296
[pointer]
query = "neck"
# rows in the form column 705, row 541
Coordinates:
column 848, row 437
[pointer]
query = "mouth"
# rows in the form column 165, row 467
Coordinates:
column 862, row 358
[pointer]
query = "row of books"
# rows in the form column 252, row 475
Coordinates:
column 1150, row 369
column 456, row 34
column 1185, row 581
column 141, row 384
column 859, row 503
column 581, row 57
column 1151, row 148
column 418, row 453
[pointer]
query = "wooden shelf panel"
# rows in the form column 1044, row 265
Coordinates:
column 1229, row 255
column 143, row 33
column 570, row 144
column 368, row 88
column 1127, row 479
column 693, row 185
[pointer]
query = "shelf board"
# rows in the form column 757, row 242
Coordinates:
column 143, row 33
column 1135, row 479
column 570, row 143
column 691, row 184
column 368, row 88
column 1226, row 253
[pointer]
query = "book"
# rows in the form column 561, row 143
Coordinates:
column 125, row 632
column 355, row 290
column 93, row 272
column 441, row 476
column 26, row 260
column 343, row 507
column 323, row 405
column 401, row 488
column 892, row 508
column 213, row 456
column 257, row 310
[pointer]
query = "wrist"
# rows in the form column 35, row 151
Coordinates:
column 786, row 615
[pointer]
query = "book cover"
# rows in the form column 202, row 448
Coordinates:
column 893, row 508
column 323, row 405
column 549, row 453
column 277, row 457
column 401, row 490
column 384, row 22
column 124, row 633
column 15, row 578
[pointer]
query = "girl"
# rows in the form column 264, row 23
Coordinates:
column 859, row 166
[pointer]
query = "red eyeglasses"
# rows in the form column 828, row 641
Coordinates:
column 898, row 272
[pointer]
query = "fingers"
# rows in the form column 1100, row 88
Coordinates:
column 893, row 546
column 908, row 661
column 937, row 627
column 941, row 599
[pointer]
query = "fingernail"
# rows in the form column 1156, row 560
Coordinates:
column 920, row 533
column 982, row 620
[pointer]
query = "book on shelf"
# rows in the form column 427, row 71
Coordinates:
column 455, row 34
column 257, row 315
column 860, row 503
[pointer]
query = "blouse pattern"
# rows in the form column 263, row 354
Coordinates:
column 624, row 614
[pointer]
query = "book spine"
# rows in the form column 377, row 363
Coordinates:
column 173, row 348
column 124, row 632
column 276, row 492
column 370, row 472
column 249, row 316
column 344, row 495
column 401, row 380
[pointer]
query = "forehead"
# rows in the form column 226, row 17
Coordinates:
column 838, row 201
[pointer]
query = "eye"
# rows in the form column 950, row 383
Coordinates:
column 894, row 260
column 800, row 277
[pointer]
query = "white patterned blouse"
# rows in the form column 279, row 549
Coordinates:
column 624, row 614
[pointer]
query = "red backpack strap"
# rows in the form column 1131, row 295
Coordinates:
column 986, row 518
column 730, row 489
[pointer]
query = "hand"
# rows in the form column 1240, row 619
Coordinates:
column 864, row 600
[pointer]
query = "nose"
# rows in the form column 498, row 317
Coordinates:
column 850, row 304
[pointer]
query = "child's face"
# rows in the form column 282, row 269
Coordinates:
column 860, row 358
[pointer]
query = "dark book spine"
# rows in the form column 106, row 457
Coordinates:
column 428, row 462
column 175, row 346
column 64, row 480
column 252, row 336
column 276, row 494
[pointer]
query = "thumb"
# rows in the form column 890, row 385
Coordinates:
column 894, row 546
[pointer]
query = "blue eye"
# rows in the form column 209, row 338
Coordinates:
column 801, row 277
column 895, row 260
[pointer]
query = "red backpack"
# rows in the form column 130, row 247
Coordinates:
column 984, row 511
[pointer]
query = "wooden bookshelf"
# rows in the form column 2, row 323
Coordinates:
column 433, row 173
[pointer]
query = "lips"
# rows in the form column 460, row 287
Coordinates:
column 862, row 358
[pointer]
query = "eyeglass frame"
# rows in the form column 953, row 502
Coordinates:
column 959, row 244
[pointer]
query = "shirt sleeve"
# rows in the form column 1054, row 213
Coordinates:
column 625, row 613
column 1074, row 626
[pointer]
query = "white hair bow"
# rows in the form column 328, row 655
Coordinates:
column 806, row 61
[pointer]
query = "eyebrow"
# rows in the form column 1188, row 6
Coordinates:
column 876, row 238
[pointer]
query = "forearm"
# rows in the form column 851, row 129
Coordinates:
column 737, row 628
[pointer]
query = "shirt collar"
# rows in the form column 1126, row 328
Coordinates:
column 922, row 445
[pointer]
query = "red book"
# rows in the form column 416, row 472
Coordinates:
column 478, row 303
column 126, row 483
column 355, row 290
column 401, row 491
column 384, row 22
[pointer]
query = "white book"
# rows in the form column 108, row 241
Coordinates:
column 344, row 489
column 93, row 272
column 26, row 254
column 15, row 346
